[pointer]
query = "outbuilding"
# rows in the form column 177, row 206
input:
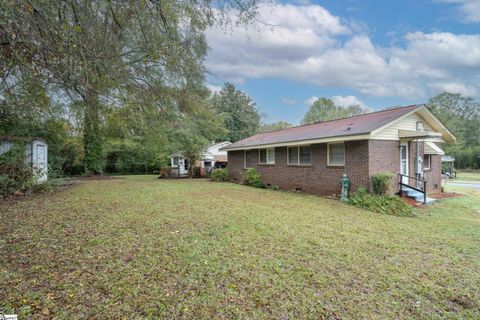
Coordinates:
column 36, row 153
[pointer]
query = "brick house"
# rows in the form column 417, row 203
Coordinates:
column 312, row 158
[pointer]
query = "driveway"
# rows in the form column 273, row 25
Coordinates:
column 472, row 184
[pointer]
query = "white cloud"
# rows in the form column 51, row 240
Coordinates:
column 213, row 88
column 469, row 9
column 342, row 101
column 310, row 101
column 465, row 90
column 288, row 101
column 347, row 101
column 313, row 46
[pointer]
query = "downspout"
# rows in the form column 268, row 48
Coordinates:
column 417, row 155
column 417, row 167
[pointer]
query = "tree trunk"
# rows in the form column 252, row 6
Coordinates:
column 92, row 143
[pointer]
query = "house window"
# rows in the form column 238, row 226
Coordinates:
column 299, row 155
column 175, row 161
column 266, row 156
column 247, row 161
column 336, row 154
column 427, row 161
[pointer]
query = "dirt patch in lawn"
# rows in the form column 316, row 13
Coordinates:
column 445, row 195
column 414, row 203
column 98, row 177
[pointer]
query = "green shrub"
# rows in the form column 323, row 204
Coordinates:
column 219, row 175
column 253, row 178
column 381, row 183
column 382, row 204
column 15, row 175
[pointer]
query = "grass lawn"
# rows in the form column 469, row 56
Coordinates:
column 139, row 247
column 468, row 175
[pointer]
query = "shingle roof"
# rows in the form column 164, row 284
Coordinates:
column 351, row 126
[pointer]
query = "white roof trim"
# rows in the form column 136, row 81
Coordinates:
column 418, row 134
column 303, row 142
column 432, row 148
column 449, row 133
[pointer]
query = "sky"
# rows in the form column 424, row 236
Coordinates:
column 373, row 53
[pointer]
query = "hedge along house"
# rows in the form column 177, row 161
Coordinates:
column 36, row 154
column 400, row 141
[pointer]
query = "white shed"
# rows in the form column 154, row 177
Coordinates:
column 36, row 154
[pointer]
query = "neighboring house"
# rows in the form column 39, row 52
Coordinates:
column 36, row 154
column 212, row 157
column 313, row 157
column 448, row 165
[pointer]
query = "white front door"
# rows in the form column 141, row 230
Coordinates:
column 404, row 161
column 182, row 166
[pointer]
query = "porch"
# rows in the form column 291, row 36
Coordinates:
column 420, row 164
column 414, row 188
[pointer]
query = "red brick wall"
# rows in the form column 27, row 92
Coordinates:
column 362, row 159
column 384, row 157
column 235, row 166
column 317, row 178
column 434, row 175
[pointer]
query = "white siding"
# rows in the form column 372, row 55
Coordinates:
column 5, row 146
column 407, row 123
column 214, row 150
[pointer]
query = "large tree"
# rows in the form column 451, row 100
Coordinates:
column 241, row 117
column 462, row 116
column 273, row 126
column 106, row 54
column 324, row 109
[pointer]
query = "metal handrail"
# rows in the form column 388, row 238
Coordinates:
column 424, row 191
column 414, row 178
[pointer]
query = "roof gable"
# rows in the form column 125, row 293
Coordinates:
column 409, row 122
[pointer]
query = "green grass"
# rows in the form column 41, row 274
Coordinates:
column 139, row 247
column 468, row 175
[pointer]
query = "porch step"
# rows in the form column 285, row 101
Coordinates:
column 417, row 195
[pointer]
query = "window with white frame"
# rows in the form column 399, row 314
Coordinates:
column 299, row 155
column 266, row 156
column 427, row 161
column 336, row 154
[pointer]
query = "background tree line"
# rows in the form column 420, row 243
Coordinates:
column 117, row 86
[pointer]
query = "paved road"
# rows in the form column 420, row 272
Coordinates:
column 464, row 184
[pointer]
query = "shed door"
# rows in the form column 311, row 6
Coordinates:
column 40, row 162
column 41, row 154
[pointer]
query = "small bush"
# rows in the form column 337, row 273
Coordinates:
column 381, row 183
column 382, row 204
column 15, row 175
column 219, row 175
column 253, row 178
